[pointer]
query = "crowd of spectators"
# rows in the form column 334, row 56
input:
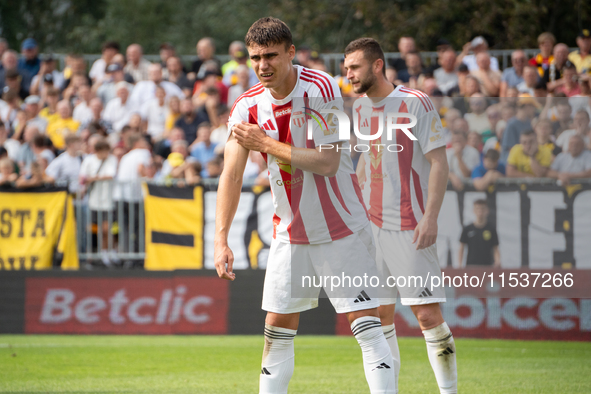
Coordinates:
column 166, row 120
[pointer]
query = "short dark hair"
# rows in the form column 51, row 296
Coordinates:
column 268, row 31
column 372, row 50
column 492, row 154
column 527, row 133
column 481, row 201
column 111, row 45
column 101, row 145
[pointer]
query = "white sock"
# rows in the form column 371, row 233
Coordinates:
column 377, row 358
column 278, row 360
column 390, row 334
column 442, row 355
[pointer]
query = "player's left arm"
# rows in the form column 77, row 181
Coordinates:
column 425, row 233
column 323, row 160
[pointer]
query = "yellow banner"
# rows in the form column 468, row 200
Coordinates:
column 37, row 228
column 174, row 227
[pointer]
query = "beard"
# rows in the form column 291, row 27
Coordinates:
column 366, row 83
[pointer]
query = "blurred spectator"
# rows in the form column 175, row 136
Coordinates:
column 581, row 58
column 526, row 110
column 477, row 118
column 135, row 123
column 342, row 81
column 145, row 91
column 231, row 76
column 220, row 134
column 10, row 109
column 530, row 80
column 242, row 73
column 99, row 67
column 42, row 150
column 214, row 167
column 406, row 45
column 50, row 111
column 177, row 76
column 173, row 113
column 475, row 141
column 167, row 51
column 462, row 160
column 317, row 63
column 35, row 177
column 513, row 76
column 489, row 171
column 177, row 161
column 490, row 80
column 66, row 167
column 7, row 174
column 120, row 59
column 204, row 149
column 30, row 61
column 238, row 55
column 571, row 80
column 543, row 130
column 119, row 110
column 414, row 67
column 581, row 128
column 61, row 127
column 205, row 53
column 553, row 76
column 469, row 85
column 154, row 114
column 11, row 145
column 163, row 147
column 82, row 112
column 209, row 86
column 96, row 172
column 14, row 81
column 303, row 55
column 543, row 59
column 107, row 90
column 482, row 240
column 190, row 120
column 450, row 116
column 528, row 159
column 3, row 48
column 76, row 67
column 137, row 66
column 10, row 62
column 493, row 114
column 25, row 155
column 573, row 163
column 446, row 77
column 507, row 112
column 391, row 76
column 32, row 110
column 559, row 111
column 477, row 45
column 96, row 109
column 47, row 76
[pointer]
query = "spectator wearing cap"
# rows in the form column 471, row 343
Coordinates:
column 543, row 59
column 580, row 127
column 406, row 45
column 581, row 58
column 52, row 97
column 145, row 91
column 490, row 80
column 175, row 74
column 530, row 80
column 137, row 66
column 572, row 163
column 571, row 81
column 477, row 45
column 526, row 110
column 489, row 171
column 32, row 110
column 205, row 53
column 30, row 61
column 47, row 76
column 528, row 159
column 98, row 69
column 553, row 76
column 513, row 76
column 119, row 109
column 107, row 89
column 190, row 120
column 63, row 126
column 446, row 76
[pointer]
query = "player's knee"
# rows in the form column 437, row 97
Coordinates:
column 428, row 316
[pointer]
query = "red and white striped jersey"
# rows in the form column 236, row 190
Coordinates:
column 309, row 208
column 395, row 187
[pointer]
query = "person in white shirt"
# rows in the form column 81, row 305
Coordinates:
column 477, row 119
column 96, row 173
column 82, row 112
column 571, row 164
column 66, row 167
column 108, row 88
column 119, row 109
column 11, row 145
column 477, row 45
column 145, row 91
column 462, row 159
column 136, row 66
column 97, row 71
column 32, row 110
column 154, row 113
column 581, row 127
column 446, row 75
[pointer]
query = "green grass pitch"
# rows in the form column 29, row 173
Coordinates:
column 231, row 364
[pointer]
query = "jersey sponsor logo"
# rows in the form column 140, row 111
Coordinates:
column 290, row 184
column 283, row 112
column 486, row 235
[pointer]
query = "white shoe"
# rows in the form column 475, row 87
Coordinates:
column 105, row 258
column 114, row 256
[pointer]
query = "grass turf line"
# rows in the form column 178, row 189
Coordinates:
column 230, row 364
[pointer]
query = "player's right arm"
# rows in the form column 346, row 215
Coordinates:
column 228, row 196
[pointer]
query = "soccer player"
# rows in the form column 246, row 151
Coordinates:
column 320, row 223
column 404, row 192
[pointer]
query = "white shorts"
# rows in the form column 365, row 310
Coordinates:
column 397, row 257
column 296, row 273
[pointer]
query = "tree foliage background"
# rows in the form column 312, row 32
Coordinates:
column 326, row 25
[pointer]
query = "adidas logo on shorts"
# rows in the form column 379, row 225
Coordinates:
column 362, row 297
column 426, row 293
column 264, row 371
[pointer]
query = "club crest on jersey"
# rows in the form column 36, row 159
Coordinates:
column 298, row 118
column 286, row 167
